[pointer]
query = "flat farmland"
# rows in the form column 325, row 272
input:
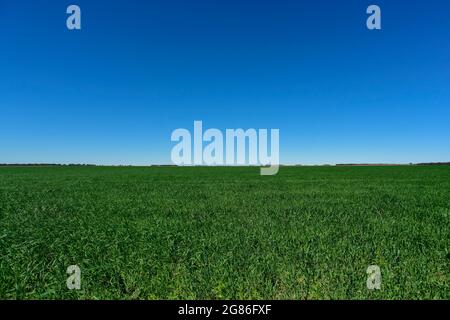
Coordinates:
column 225, row 233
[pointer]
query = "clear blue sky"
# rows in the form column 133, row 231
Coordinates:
column 113, row 92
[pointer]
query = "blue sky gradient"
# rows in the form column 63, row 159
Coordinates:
column 113, row 92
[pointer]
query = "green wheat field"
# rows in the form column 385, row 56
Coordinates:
column 225, row 233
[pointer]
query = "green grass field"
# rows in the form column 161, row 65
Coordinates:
column 225, row 233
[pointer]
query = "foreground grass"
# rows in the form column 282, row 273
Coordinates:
column 210, row 233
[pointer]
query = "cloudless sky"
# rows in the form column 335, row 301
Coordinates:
column 113, row 92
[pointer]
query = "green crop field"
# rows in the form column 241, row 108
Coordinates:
column 213, row 233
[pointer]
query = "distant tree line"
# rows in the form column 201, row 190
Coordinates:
column 370, row 164
column 45, row 165
column 171, row 165
column 434, row 164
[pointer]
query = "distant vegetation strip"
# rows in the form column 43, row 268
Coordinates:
column 172, row 165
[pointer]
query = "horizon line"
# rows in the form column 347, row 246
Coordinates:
column 43, row 164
